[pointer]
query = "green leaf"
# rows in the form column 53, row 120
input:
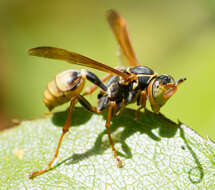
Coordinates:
column 156, row 152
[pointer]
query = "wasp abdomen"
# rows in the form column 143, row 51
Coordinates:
column 61, row 89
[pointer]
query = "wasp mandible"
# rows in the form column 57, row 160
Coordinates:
column 136, row 83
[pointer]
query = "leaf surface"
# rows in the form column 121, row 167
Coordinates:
column 156, row 152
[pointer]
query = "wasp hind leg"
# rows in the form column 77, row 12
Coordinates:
column 92, row 88
column 142, row 103
column 64, row 131
column 83, row 101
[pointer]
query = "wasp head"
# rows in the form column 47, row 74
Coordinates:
column 160, row 89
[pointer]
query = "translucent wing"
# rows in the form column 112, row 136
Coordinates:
column 118, row 26
column 74, row 58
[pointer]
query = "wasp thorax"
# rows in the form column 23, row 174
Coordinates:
column 60, row 90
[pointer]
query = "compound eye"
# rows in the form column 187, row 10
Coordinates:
column 157, row 84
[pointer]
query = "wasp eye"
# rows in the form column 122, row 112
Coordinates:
column 157, row 84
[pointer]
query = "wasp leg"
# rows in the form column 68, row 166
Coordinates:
column 94, row 79
column 107, row 125
column 119, row 107
column 142, row 102
column 92, row 88
column 64, row 131
column 83, row 101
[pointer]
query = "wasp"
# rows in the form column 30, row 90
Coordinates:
column 123, row 86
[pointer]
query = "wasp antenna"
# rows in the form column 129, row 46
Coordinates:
column 179, row 81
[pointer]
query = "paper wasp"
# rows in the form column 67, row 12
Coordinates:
column 124, row 85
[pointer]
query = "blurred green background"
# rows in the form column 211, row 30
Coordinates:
column 170, row 36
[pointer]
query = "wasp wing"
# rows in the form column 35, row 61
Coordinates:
column 74, row 58
column 118, row 26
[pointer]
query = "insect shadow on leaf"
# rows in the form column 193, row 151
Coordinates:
column 147, row 122
column 80, row 116
column 145, row 125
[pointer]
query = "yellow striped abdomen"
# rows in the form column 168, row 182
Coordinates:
column 61, row 89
